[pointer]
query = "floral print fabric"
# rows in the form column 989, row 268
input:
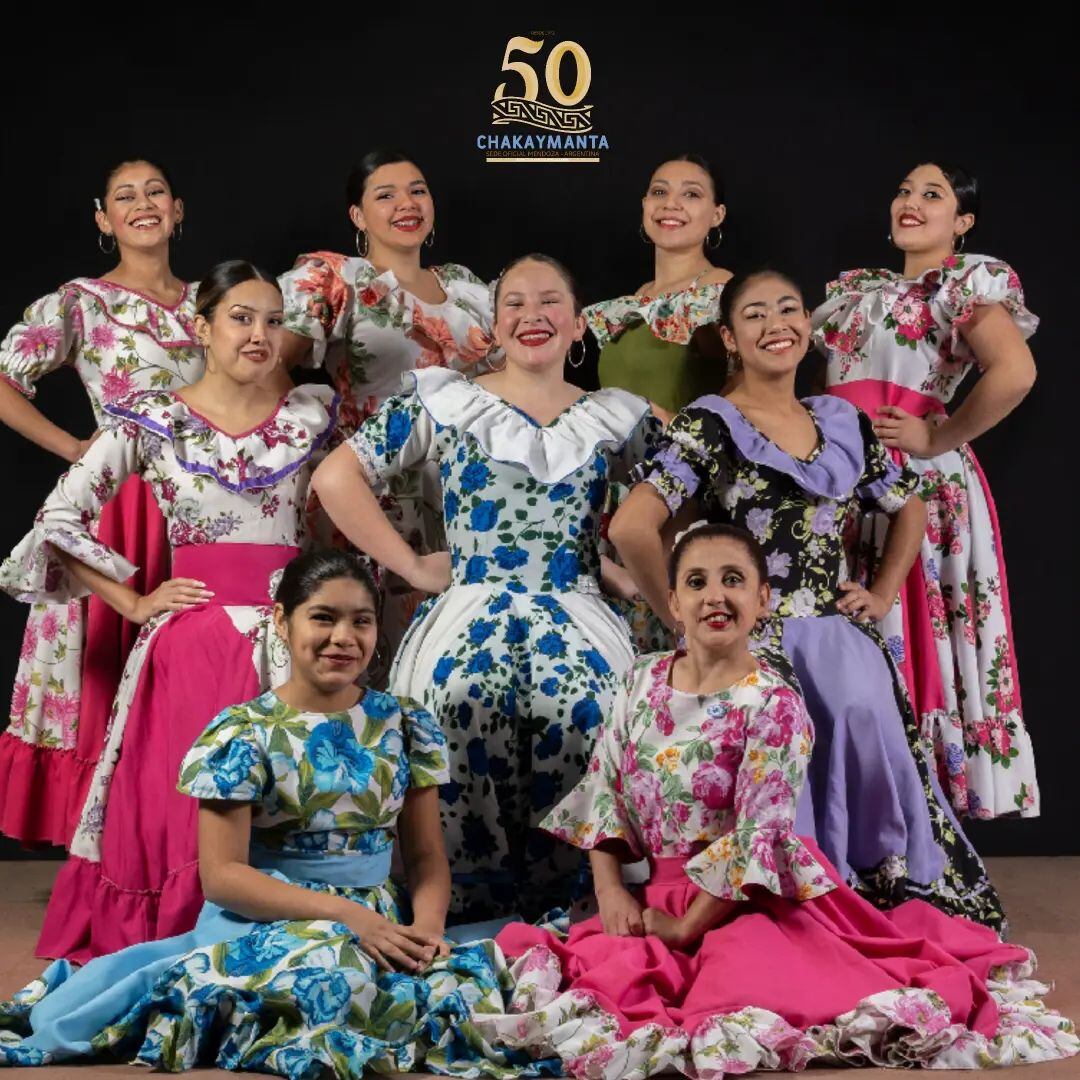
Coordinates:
column 518, row 660
column 712, row 778
column 886, row 336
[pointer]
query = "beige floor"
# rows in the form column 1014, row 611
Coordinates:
column 1042, row 896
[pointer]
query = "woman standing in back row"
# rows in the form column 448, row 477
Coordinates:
column 132, row 330
column 372, row 317
column 898, row 346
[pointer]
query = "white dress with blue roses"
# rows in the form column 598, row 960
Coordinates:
column 520, row 658
column 294, row 998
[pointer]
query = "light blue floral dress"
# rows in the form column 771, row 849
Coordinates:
column 520, row 658
column 290, row 998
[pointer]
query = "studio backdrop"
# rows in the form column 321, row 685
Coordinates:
column 539, row 134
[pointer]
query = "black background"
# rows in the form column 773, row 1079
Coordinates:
column 811, row 118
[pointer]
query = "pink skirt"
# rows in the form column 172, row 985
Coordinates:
column 196, row 663
column 807, row 961
column 43, row 787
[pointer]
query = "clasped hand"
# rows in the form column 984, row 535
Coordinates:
column 393, row 947
column 622, row 916
column 898, row 429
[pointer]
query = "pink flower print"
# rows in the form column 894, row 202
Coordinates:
column 62, row 710
column 775, row 790
column 50, row 626
column 271, row 506
column 434, row 337
column 116, row 385
column 102, row 336
column 763, row 848
column 37, row 341
column 477, row 346
column 916, row 1010
column 591, row 1063
column 168, row 490
column 538, row 959
column 681, row 813
column 912, row 315
column 713, row 783
column 29, row 641
column 19, row 698
column 782, row 719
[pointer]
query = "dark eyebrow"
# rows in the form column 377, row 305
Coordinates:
column 390, row 187
column 761, row 303
column 331, row 610
column 248, row 307
column 931, row 183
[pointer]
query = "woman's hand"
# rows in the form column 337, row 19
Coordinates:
column 176, row 594
column 862, row 604
column 900, row 430
column 82, row 445
column 617, row 581
column 392, row 947
column 431, row 573
column 620, row 913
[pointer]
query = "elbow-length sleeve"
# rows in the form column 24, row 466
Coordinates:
column 51, row 330
column 397, row 438
column 228, row 760
column 691, row 454
column 762, row 848
column 318, row 301
column 884, row 484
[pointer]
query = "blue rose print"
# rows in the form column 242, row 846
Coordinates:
column 479, row 662
column 475, row 570
column 338, row 759
column 510, row 558
column 565, row 567
column 552, row 644
column 444, row 669
column 450, row 792
column 256, row 952
column 544, row 788
column 398, row 427
column 550, row 743
column 451, row 502
column 477, row 755
column 481, row 630
column 379, row 706
column 585, row 714
column 484, row 516
column 595, row 661
column 500, row 603
column 233, row 769
column 551, row 605
column 560, row 492
column 517, row 631
column 474, row 476
column 550, row 686
column 322, row 996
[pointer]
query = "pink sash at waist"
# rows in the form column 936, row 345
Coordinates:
column 870, row 394
column 237, row 574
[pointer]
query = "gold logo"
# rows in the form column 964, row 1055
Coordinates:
column 567, row 114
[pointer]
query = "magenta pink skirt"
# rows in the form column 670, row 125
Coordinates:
column 43, row 787
column 196, row 664
column 808, row 961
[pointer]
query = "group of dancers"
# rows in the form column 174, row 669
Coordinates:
column 751, row 652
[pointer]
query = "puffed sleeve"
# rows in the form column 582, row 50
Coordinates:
column 475, row 352
column 425, row 747
column 33, row 572
column 840, row 323
column 976, row 281
column 762, row 848
column 596, row 809
column 884, row 485
column 692, row 453
column 318, row 300
column 397, row 438
column 51, row 330
column 228, row 760
column 636, row 456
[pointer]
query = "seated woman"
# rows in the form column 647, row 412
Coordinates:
column 745, row 950
column 305, row 956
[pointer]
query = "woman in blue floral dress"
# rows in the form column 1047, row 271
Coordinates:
column 789, row 472
column 519, row 656
column 303, row 959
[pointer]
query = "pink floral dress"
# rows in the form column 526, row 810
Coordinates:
column 802, row 971
column 119, row 342
column 368, row 332
column 896, row 342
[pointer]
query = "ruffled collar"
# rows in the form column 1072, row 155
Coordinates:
column 305, row 418
column 835, row 467
column 380, row 298
column 171, row 327
column 869, row 280
column 550, row 452
column 672, row 316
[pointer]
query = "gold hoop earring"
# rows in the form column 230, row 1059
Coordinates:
column 363, row 233
column 581, row 355
column 711, row 244
column 429, row 240
column 492, row 367
column 106, row 250
column 958, row 243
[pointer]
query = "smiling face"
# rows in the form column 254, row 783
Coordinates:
column 924, row 214
column 535, row 320
column 770, row 326
column 244, row 334
column 331, row 636
column 138, row 207
column 718, row 594
column 679, row 207
column 396, row 210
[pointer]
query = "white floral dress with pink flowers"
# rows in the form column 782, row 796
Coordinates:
column 367, row 332
column 119, row 342
column 896, row 342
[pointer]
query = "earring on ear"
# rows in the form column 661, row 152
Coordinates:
column 581, row 355
column 958, row 243
column 429, row 240
column 643, row 234
column 178, row 231
column 712, row 244
column 363, row 233
column 101, row 238
column 734, row 361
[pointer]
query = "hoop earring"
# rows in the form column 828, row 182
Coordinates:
column 892, row 243
column 101, row 243
column 363, row 233
column 958, row 243
column 178, row 231
column 581, row 356
column 734, row 362
column 492, row 367
column 429, row 240
column 643, row 234
column 709, row 243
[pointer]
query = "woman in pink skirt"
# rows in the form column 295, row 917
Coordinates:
column 131, row 330
column 228, row 460
column 745, row 950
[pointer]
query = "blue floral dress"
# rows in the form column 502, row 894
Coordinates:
column 520, row 658
column 292, row 998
